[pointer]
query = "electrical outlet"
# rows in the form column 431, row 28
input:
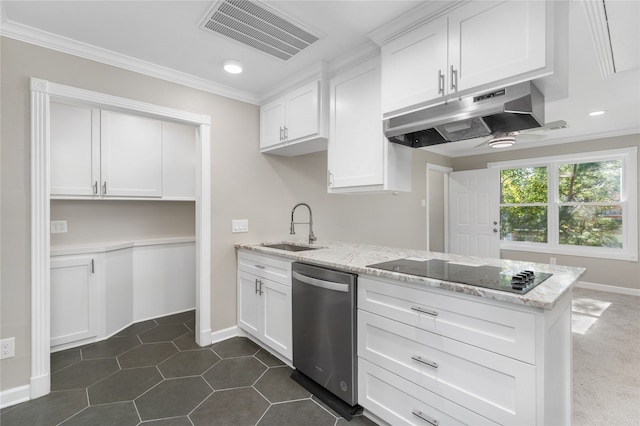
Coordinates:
column 8, row 348
column 58, row 226
column 239, row 225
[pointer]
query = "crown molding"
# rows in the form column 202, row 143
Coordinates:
column 65, row 45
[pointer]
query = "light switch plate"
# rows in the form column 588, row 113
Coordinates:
column 239, row 225
column 58, row 226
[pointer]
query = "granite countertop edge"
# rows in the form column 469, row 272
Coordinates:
column 354, row 257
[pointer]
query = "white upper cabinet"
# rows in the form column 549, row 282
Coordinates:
column 103, row 154
column 360, row 158
column 75, row 150
column 294, row 124
column 131, row 160
column 178, row 161
column 476, row 46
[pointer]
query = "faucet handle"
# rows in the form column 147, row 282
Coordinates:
column 292, row 230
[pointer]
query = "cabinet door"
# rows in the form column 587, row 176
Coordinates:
column 178, row 161
column 74, row 300
column 272, row 118
column 248, row 303
column 75, row 150
column 303, row 112
column 356, row 139
column 276, row 317
column 131, row 161
column 414, row 67
column 491, row 41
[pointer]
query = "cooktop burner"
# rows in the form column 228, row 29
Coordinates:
column 492, row 277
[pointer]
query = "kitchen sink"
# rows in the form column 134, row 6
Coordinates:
column 290, row 247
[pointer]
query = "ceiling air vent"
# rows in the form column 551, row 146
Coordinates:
column 258, row 26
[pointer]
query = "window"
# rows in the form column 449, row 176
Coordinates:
column 583, row 204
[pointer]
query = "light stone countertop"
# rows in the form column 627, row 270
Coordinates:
column 354, row 258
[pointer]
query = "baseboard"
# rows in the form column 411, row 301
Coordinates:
column 609, row 288
column 227, row 333
column 15, row 396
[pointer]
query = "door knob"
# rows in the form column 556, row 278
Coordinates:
column 495, row 229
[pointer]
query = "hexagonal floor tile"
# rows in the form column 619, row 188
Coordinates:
column 50, row 409
column 305, row 412
column 163, row 333
column 111, row 347
column 118, row 414
column 268, row 359
column 277, row 386
column 173, row 398
column 62, row 359
column 124, row 385
column 242, row 406
column 83, row 374
column 171, row 421
column 147, row 355
column 187, row 342
column 235, row 347
column 234, row 373
column 137, row 328
column 358, row 420
column 180, row 318
column 190, row 363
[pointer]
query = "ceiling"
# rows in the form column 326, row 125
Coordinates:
column 163, row 39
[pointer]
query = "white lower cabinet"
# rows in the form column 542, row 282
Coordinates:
column 264, row 300
column 401, row 402
column 74, row 299
column 429, row 356
column 96, row 294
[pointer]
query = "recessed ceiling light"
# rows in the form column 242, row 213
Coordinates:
column 232, row 67
column 594, row 113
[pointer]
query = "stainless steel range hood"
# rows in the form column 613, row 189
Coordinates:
column 505, row 110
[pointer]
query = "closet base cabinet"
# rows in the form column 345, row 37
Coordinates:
column 96, row 294
column 264, row 300
column 75, row 292
column 426, row 356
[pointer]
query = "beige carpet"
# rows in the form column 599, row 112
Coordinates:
column 606, row 358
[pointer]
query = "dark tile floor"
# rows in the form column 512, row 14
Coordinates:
column 153, row 373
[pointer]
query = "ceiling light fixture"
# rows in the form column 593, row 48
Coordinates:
column 232, row 67
column 502, row 141
column 596, row 113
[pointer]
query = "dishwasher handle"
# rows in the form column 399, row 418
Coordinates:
column 320, row 283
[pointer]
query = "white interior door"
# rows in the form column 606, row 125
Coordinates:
column 474, row 209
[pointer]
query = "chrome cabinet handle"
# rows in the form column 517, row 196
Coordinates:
column 256, row 287
column 440, row 82
column 104, row 188
column 260, row 287
column 95, row 188
column 426, row 418
column 259, row 266
column 424, row 361
column 286, row 133
column 424, row 311
column 454, row 79
column 330, row 178
column 281, row 134
column 93, row 267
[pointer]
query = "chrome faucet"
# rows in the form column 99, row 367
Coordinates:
column 312, row 237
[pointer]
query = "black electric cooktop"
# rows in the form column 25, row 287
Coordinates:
column 493, row 277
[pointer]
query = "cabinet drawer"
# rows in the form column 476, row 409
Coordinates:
column 400, row 402
column 275, row 269
column 509, row 332
column 489, row 384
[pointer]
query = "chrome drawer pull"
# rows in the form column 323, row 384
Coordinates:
column 424, row 361
column 424, row 311
column 260, row 266
column 426, row 418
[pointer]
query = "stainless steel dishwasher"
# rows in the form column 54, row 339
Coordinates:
column 324, row 335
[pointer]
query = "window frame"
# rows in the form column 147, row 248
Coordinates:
column 628, row 200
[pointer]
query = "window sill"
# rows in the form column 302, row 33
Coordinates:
column 544, row 248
